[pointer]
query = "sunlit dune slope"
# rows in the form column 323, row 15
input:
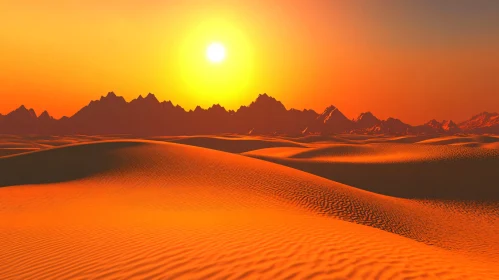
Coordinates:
column 138, row 209
column 401, row 170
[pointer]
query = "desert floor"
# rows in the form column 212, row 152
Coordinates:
column 239, row 207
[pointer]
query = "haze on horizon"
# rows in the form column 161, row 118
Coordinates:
column 414, row 60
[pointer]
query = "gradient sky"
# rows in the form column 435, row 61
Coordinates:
column 415, row 60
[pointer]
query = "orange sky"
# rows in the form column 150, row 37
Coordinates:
column 411, row 61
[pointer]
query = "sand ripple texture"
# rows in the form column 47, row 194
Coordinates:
column 150, row 210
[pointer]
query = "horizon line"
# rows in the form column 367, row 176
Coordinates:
column 140, row 96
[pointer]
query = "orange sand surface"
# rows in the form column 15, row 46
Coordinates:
column 135, row 209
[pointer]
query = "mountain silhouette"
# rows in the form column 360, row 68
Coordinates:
column 45, row 117
column 391, row 126
column 484, row 122
column 366, row 120
column 147, row 116
column 331, row 121
column 451, row 127
column 20, row 121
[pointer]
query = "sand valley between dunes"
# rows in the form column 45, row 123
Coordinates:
column 213, row 207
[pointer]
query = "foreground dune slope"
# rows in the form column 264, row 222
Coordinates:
column 138, row 209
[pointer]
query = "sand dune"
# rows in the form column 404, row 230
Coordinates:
column 399, row 139
column 144, row 209
column 324, row 139
column 13, row 144
column 401, row 170
column 232, row 144
column 14, row 151
column 470, row 141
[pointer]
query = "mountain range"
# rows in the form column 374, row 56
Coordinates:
column 146, row 116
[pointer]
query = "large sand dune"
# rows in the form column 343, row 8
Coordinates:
column 145, row 209
column 401, row 170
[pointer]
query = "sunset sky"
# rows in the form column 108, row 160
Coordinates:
column 414, row 60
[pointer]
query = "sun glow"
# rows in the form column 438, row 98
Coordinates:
column 215, row 52
column 215, row 63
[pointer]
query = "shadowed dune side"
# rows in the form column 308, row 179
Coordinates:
column 401, row 170
column 461, row 180
column 148, row 210
column 15, row 144
column 231, row 144
column 58, row 165
column 14, row 151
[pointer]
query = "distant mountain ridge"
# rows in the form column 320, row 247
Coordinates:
column 147, row 116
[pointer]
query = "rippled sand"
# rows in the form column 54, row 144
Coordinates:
column 139, row 209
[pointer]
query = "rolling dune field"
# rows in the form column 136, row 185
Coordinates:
column 95, row 208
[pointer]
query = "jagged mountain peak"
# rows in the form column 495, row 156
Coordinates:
column 480, row 121
column 22, row 111
column 152, row 97
column 267, row 102
column 111, row 97
column 434, row 123
column 367, row 117
column 167, row 104
column 198, row 109
column 449, row 122
column 329, row 109
column 366, row 120
column 217, row 107
column 367, row 114
column 44, row 115
column 331, row 113
column 450, row 126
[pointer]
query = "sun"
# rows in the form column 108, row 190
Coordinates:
column 214, row 62
column 215, row 52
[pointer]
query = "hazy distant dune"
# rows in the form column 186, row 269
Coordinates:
column 319, row 139
column 12, row 146
column 472, row 141
column 232, row 144
column 407, row 139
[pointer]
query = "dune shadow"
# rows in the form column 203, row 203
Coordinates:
column 62, row 164
column 460, row 179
